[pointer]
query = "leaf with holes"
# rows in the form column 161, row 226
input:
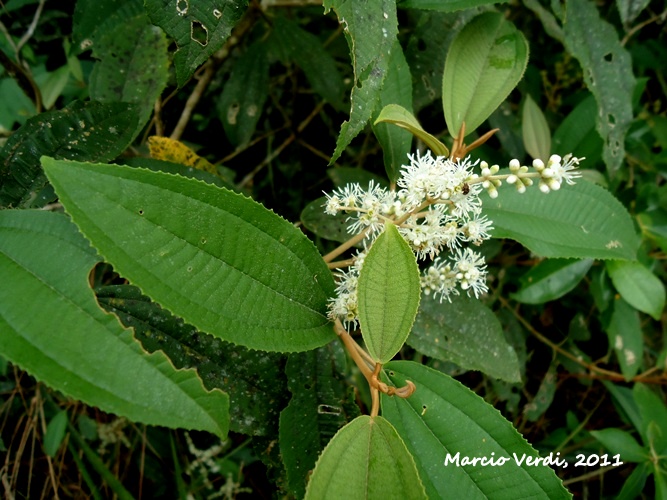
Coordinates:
column 219, row 260
column 53, row 328
column 607, row 73
column 199, row 27
column 371, row 29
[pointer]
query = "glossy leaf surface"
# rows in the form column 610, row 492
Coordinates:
column 638, row 286
column 551, row 279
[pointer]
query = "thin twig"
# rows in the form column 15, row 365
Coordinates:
column 31, row 29
column 607, row 374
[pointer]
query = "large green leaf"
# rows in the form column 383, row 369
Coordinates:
column 254, row 380
column 485, row 62
column 607, row 72
column 322, row 402
column 397, row 89
column 444, row 422
column 133, row 65
column 221, row 261
column 583, row 221
column 371, row 29
column 242, row 99
column 466, row 332
column 89, row 131
column 199, row 28
column 366, row 460
column 639, row 287
column 388, row 294
column 52, row 327
column 551, row 279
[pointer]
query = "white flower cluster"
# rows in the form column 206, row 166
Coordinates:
column 437, row 207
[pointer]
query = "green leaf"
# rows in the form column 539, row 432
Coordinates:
column 221, row 261
column 254, row 380
column 388, row 294
column 55, row 433
column 466, row 332
column 89, row 131
column 243, row 97
column 371, row 29
column 331, row 227
column 445, row 5
column 577, row 135
column 427, row 48
column 635, row 483
column 96, row 18
column 445, row 420
column 307, row 51
column 653, row 412
column 536, row 133
column 579, row 221
column 322, row 402
column 551, row 279
column 397, row 90
column 485, row 62
column 620, row 442
column 367, row 460
column 626, row 337
column 133, row 65
column 393, row 113
column 630, row 9
column 544, row 395
column 639, row 287
column 654, row 225
column 607, row 72
column 199, row 28
column 53, row 328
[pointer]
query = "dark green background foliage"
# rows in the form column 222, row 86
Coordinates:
column 569, row 345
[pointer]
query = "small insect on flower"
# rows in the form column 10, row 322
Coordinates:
column 465, row 189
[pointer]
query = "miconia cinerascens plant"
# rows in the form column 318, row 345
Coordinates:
column 168, row 295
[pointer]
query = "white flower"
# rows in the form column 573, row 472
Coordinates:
column 470, row 270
